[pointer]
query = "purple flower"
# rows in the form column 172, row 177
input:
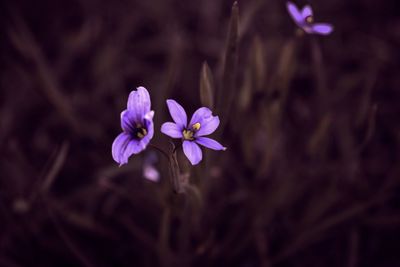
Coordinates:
column 202, row 123
column 305, row 20
column 137, row 125
column 150, row 171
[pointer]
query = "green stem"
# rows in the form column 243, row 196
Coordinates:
column 162, row 151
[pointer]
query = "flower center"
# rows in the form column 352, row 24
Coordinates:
column 188, row 134
column 310, row 19
column 140, row 131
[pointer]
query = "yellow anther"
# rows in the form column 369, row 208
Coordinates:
column 310, row 19
column 142, row 132
column 187, row 135
column 196, row 126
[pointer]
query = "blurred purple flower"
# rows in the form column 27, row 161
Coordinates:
column 150, row 172
column 202, row 123
column 137, row 125
column 305, row 20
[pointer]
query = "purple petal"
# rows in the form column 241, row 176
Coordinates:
column 149, row 115
column 322, row 28
column 123, row 147
column 192, row 152
column 128, row 124
column 151, row 173
column 133, row 147
column 139, row 103
column 171, row 129
column 177, row 112
column 295, row 13
column 306, row 12
column 148, row 123
column 200, row 115
column 208, row 127
column 128, row 121
column 209, row 143
column 119, row 146
column 208, row 122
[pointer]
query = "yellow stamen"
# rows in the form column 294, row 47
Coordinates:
column 187, row 135
column 196, row 126
column 310, row 19
column 142, row 132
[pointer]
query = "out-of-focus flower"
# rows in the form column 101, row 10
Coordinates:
column 305, row 20
column 202, row 123
column 137, row 125
column 150, row 172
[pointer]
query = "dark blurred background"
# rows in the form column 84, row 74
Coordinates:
column 311, row 174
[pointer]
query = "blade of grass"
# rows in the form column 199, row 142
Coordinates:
column 228, row 86
column 26, row 44
column 206, row 87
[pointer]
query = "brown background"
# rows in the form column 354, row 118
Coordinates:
column 311, row 174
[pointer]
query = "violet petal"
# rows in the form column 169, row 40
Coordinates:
column 177, row 112
column 127, row 121
column 151, row 173
column 294, row 12
column 209, row 143
column 133, row 147
column 192, row 152
column 322, row 28
column 149, row 125
column 119, row 146
column 306, row 12
column 208, row 125
column 139, row 103
column 171, row 129
column 200, row 115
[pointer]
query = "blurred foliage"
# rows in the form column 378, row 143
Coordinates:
column 311, row 174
